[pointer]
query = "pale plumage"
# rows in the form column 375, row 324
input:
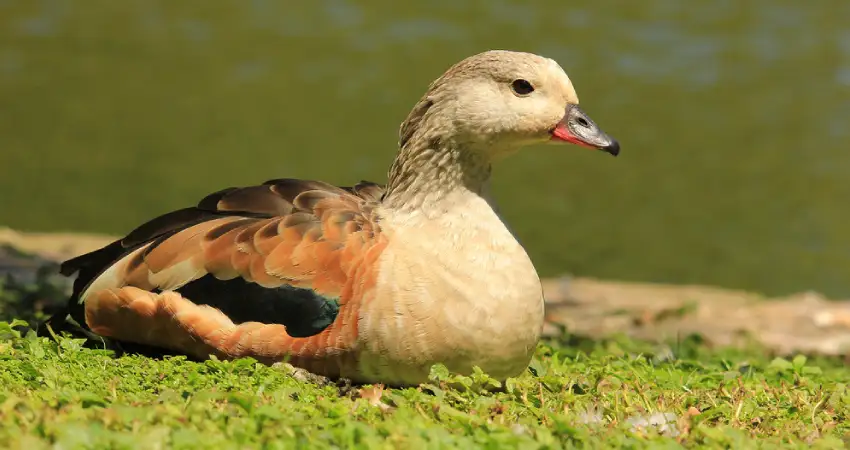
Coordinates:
column 368, row 282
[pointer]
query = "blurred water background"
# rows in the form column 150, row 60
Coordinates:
column 734, row 119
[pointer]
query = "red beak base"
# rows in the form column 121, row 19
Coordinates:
column 563, row 133
column 577, row 128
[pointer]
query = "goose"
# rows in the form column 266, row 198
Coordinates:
column 372, row 283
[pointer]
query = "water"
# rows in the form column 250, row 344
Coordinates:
column 733, row 119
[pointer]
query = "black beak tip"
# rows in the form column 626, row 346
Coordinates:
column 613, row 148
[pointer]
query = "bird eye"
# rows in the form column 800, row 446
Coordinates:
column 522, row 87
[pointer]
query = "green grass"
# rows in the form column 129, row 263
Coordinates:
column 585, row 394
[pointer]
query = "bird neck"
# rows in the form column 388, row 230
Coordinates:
column 425, row 178
column 434, row 168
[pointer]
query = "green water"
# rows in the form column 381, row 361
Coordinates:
column 733, row 117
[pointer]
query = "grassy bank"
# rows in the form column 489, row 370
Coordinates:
column 576, row 394
column 611, row 392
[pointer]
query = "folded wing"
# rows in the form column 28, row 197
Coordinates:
column 289, row 252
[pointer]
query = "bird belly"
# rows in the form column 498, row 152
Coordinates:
column 484, row 309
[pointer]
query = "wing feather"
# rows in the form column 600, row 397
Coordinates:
column 286, row 232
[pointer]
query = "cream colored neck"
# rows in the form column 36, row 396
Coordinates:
column 435, row 164
column 425, row 177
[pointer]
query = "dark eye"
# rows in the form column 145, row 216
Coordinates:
column 522, row 87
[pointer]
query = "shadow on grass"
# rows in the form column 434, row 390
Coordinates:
column 31, row 288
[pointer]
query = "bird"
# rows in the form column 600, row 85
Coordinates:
column 373, row 283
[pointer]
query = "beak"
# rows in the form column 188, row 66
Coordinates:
column 577, row 128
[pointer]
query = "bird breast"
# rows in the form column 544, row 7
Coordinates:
column 457, row 289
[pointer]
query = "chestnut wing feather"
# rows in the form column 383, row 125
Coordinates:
column 279, row 252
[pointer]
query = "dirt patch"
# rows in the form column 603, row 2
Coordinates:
column 806, row 322
column 54, row 246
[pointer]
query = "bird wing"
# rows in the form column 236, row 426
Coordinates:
column 289, row 252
